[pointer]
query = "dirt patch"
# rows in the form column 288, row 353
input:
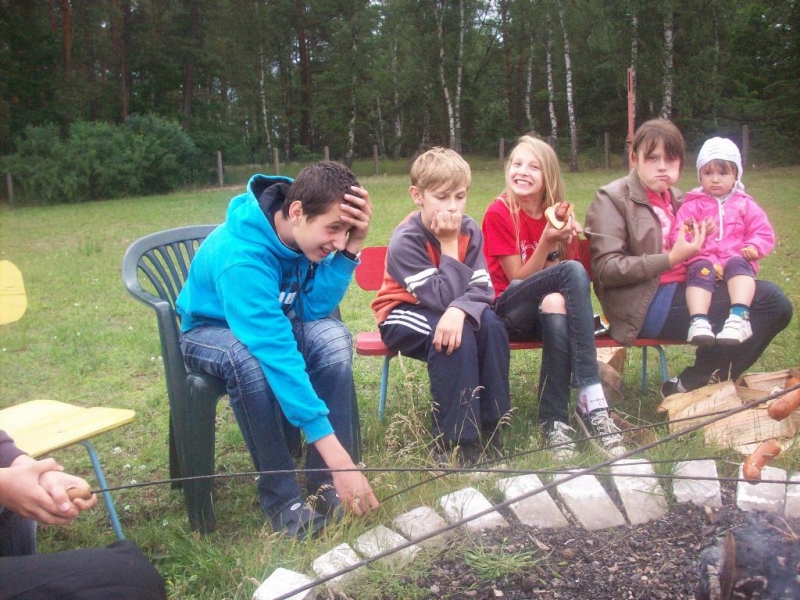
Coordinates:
column 658, row 560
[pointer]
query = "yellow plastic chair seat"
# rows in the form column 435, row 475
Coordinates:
column 40, row 427
column 13, row 300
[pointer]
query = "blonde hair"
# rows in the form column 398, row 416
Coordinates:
column 553, row 182
column 440, row 167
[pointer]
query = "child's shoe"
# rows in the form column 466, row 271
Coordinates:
column 735, row 331
column 559, row 440
column 600, row 429
column 700, row 333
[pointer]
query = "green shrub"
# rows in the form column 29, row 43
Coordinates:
column 146, row 155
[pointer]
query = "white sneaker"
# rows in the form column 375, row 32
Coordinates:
column 735, row 331
column 559, row 441
column 601, row 430
column 700, row 333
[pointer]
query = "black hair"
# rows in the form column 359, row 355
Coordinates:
column 318, row 186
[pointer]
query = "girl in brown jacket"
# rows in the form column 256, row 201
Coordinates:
column 640, row 279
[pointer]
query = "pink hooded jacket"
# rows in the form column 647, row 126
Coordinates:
column 740, row 222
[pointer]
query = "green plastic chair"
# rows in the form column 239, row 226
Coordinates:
column 154, row 270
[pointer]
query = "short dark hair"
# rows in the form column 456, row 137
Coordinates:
column 650, row 132
column 318, row 186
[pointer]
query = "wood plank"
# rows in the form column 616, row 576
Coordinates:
column 42, row 426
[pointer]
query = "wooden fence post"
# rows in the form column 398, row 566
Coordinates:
column 10, row 188
column 375, row 158
column 745, row 145
column 220, row 179
column 276, row 162
column 327, row 152
column 607, row 137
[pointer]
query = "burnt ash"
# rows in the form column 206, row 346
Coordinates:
column 657, row 560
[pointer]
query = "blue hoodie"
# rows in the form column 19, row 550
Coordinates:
column 245, row 278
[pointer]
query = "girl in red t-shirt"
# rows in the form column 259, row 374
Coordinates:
column 543, row 293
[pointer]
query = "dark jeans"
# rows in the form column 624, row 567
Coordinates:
column 469, row 387
column 569, row 355
column 116, row 572
column 701, row 272
column 326, row 346
column 770, row 312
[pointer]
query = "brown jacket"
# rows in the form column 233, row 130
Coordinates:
column 625, row 241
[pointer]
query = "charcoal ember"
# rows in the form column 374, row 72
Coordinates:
column 764, row 565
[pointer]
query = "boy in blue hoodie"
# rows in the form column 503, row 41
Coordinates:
column 254, row 312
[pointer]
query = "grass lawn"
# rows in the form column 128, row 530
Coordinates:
column 83, row 340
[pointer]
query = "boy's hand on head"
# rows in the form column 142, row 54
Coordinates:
column 750, row 252
column 357, row 214
column 448, row 332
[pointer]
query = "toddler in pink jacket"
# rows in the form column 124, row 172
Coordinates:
column 741, row 235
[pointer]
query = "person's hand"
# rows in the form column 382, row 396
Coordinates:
column 27, row 488
column 355, row 492
column 685, row 247
column 68, row 491
column 356, row 212
column 446, row 226
column 552, row 236
column 448, row 331
column 750, row 252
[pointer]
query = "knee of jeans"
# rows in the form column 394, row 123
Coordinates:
column 574, row 271
column 328, row 341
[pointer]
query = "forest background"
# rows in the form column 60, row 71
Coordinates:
column 246, row 77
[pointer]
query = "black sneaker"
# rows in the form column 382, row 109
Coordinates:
column 602, row 432
column 463, row 456
column 298, row 520
column 671, row 387
column 326, row 502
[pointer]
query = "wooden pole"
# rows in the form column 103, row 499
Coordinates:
column 607, row 139
column 276, row 162
column 220, row 179
column 10, row 188
column 327, row 153
column 745, row 145
column 375, row 158
column 631, row 107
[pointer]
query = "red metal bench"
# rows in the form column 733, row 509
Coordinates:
column 369, row 276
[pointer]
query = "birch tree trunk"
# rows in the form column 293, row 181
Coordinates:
column 306, row 138
column 459, row 75
column 667, row 77
column 398, row 112
column 573, row 127
column 452, row 104
column 351, row 124
column 551, row 88
column 262, row 94
column 529, row 87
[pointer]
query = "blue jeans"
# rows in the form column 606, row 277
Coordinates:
column 770, row 312
column 326, row 346
column 569, row 355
